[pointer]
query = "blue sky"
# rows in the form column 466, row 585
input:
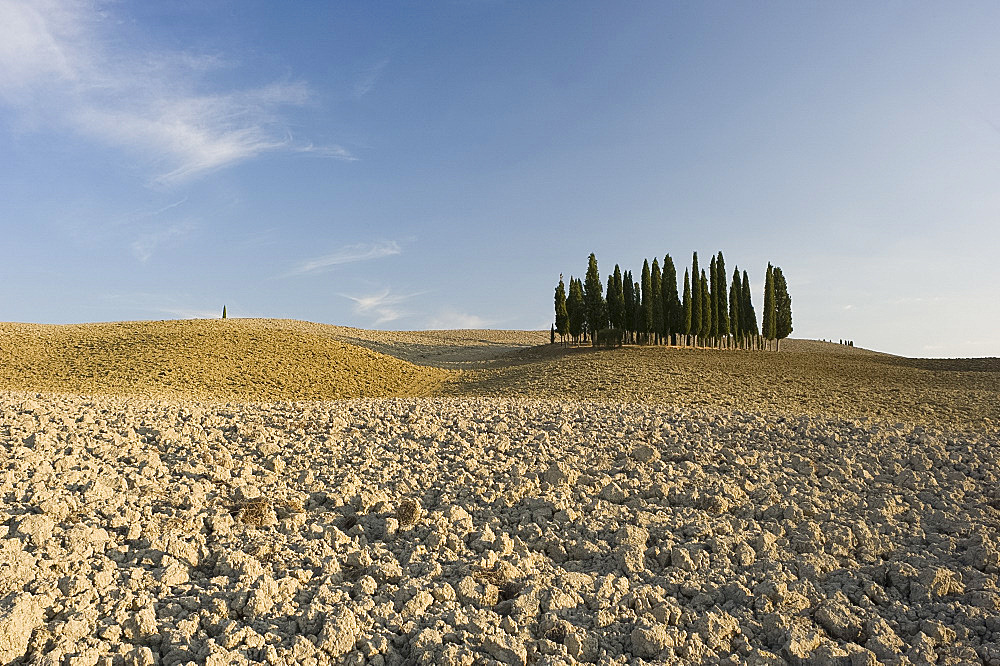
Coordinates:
column 437, row 165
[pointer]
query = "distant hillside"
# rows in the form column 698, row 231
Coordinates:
column 230, row 359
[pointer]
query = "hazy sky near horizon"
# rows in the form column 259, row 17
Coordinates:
column 415, row 165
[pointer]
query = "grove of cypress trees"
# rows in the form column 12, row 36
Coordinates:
column 593, row 295
column 735, row 298
column 712, row 313
column 706, row 306
column 782, row 307
column 656, row 298
column 562, row 315
column 576, row 308
column 720, row 276
column 628, row 307
column 686, row 305
column 671, row 303
column 647, row 303
column 747, row 313
column 769, row 323
column 696, row 303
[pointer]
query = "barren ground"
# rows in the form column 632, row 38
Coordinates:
column 266, row 491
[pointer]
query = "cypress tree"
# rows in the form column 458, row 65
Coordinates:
column 637, row 310
column 747, row 313
column 713, row 297
column 576, row 308
column 562, row 315
column 769, row 323
column 686, row 305
column 223, row 311
column 735, row 298
column 628, row 308
column 552, row 334
column 671, row 303
column 570, row 309
column 609, row 299
column 706, row 306
column 656, row 298
column 619, row 298
column 593, row 295
column 720, row 275
column 782, row 307
column 696, row 304
column 646, row 324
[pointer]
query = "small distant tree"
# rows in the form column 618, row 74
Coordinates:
column 686, row 305
column 562, row 315
column 656, row 299
column 769, row 323
column 593, row 295
column 552, row 334
column 223, row 311
column 576, row 309
column 782, row 307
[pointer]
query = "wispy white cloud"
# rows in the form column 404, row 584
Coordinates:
column 144, row 246
column 382, row 306
column 369, row 77
column 338, row 152
column 348, row 254
column 450, row 319
column 60, row 65
column 164, row 209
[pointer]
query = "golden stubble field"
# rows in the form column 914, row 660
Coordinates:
column 228, row 360
column 256, row 360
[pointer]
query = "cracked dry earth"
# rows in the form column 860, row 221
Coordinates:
column 489, row 531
